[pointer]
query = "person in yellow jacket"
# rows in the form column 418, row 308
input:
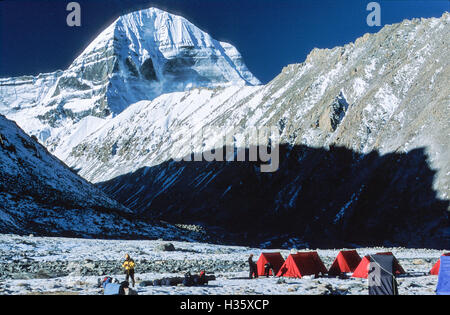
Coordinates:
column 129, row 265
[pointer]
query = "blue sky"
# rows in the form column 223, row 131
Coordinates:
column 270, row 34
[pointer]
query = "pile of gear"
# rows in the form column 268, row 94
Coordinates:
column 189, row 280
column 114, row 287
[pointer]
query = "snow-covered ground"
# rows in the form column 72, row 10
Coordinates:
column 73, row 266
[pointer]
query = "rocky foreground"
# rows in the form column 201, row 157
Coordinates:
column 35, row 265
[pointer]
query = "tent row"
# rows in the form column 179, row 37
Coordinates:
column 309, row 263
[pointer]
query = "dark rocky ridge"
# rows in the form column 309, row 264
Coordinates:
column 39, row 194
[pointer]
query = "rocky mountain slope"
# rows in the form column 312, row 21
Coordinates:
column 364, row 154
column 138, row 57
column 39, row 194
column 364, row 148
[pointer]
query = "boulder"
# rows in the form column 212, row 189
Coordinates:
column 165, row 247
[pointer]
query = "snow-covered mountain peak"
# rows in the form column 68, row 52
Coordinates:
column 158, row 27
column 157, row 52
column 363, row 130
column 140, row 56
column 167, row 30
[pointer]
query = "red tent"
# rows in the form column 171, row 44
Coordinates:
column 274, row 258
column 319, row 262
column 362, row 272
column 435, row 270
column 346, row 261
column 302, row 264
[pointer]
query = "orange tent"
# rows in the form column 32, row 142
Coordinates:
column 362, row 272
column 346, row 261
column 302, row 264
column 435, row 270
column 274, row 258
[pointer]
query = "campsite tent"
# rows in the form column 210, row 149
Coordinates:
column 302, row 264
column 362, row 272
column 346, row 261
column 319, row 262
column 273, row 258
column 435, row 270
column 443, row 286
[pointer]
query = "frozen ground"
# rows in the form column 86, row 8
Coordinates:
column 39, row 265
